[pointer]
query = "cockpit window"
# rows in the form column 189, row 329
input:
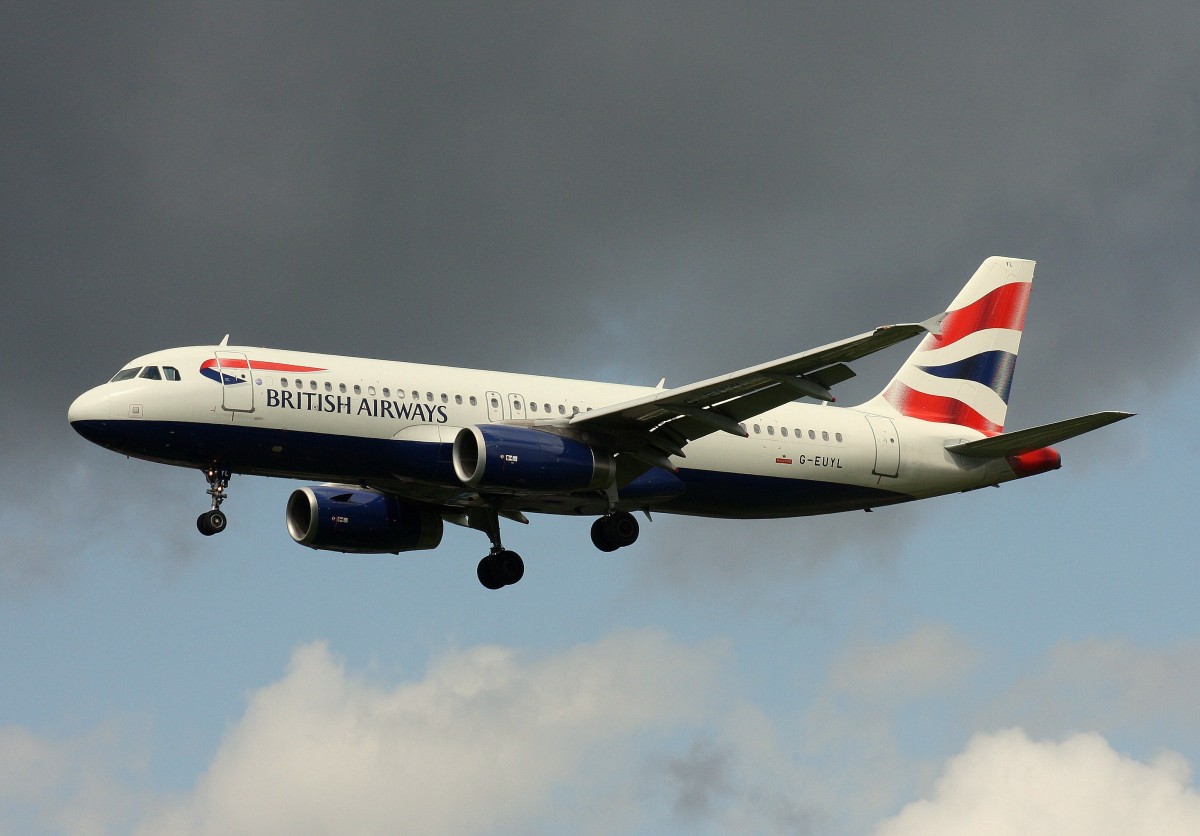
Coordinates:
column 126, row 374
column 170, row 373
column 151, row 373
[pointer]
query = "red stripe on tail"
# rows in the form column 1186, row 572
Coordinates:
column 1004, row 307
column 937, row 408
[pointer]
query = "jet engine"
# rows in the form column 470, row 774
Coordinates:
column 522, row 459
column 348, row 519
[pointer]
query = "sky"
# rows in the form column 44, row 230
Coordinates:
column 618, row 192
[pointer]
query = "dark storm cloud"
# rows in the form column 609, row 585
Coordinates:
column 620, row 191
column 724, row 183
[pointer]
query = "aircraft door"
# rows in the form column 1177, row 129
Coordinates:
column 495, row 407
column 237, row 389
column 887, row 446
column 516, row 407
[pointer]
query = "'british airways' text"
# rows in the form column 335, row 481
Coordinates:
column 346, row 405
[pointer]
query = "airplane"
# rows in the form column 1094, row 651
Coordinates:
column 399, row 449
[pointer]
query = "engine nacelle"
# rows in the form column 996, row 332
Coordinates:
column 346, row 519
column 522, row 459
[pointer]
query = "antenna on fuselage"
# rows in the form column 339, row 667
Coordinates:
column 224, row 341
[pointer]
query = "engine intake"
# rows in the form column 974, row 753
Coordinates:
column 345, row 519
column 521, row 459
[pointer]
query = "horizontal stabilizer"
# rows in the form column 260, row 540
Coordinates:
column 1035, row 438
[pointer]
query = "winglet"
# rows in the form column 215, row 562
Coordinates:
column 934, row 324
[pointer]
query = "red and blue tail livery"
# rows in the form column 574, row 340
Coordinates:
column 962, row 373
column 397, row 450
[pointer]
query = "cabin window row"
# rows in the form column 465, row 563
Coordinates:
column 400, row 394
column 385, row 391
column 796, row 433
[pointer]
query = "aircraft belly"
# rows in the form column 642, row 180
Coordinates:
column 713, row 493
column 424, row 470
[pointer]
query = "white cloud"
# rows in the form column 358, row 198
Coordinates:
column 635, row 731
column 1006, row 783
column 77, row 785
column 480, row 744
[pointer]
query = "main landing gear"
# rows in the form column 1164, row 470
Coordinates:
column 214, row 521
column 501, row 567
column 615, row 531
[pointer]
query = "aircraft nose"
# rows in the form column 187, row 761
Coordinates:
column 92, row 405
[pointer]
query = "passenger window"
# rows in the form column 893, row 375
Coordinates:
column 125, row 374
column 574, row 410
column 151, row 373
column 474, row 401
column 357, row 389
column 533, row 406
column 838, row 436
column 445, row 398
column 824, row 436
column 416, row 395
column 495, row 403
column 299, row 383
column 312, row 384
column 458, row 399
column 783, row 431
column 757, row 429
column 547, row 406
column 170, row 373
column 400, row 394
column 562, row 410
column 387, row 393
column 371, row 391
column 429, row 396
column 283, row 382
column 342, row 388
column 812, row 434
column 770, row 430
column 799, row 433
column 328, row 386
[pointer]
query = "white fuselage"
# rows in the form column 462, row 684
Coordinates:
column 390, row 425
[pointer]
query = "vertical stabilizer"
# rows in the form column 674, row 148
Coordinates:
column 962, row 375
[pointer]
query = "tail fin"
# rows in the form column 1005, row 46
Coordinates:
column 962, row 375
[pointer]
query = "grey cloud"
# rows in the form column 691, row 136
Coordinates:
column 700, row 775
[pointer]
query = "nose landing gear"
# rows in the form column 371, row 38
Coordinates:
column 213, row 521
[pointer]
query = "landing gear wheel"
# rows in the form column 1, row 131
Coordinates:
column 487, row 574
column 616, row 531
column 500, row 569
column 600, row 536
column 211, row 522
column 623, row 529
column 511, row 567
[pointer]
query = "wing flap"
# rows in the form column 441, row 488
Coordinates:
column 1035, row 438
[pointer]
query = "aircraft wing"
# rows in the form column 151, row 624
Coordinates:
column 660, row 424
